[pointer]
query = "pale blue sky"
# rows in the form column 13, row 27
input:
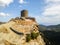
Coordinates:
column 46, row 12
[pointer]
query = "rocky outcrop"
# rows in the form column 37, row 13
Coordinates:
column 8, row 37
column 20, row 31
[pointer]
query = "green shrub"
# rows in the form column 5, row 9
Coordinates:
column 28, row 37
column 34, row 35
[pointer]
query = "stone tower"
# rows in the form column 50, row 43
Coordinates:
column 24, row 13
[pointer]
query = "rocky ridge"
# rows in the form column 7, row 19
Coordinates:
column 10, row 33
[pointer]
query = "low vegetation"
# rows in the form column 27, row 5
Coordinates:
column 32, row 36
column 28, row 37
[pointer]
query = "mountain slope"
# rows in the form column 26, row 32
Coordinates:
column 55, row 28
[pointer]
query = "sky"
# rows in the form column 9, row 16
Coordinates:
column 46, row 12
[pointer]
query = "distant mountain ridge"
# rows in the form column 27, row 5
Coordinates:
column 51, row 34
column 2, row 23
column 51, row 28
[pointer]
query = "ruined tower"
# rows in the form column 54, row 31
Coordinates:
column 24, row 13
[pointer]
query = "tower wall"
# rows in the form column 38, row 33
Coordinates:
column 24, row 13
